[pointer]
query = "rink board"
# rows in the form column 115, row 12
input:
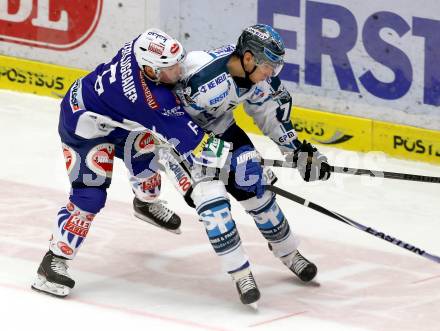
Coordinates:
column 407, row 142
column 341, row 131
column 36, row 77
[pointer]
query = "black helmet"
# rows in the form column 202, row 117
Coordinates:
column 264, row 43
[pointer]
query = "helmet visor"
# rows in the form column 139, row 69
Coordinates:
column 270, row 60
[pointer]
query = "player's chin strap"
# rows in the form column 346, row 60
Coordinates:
column 346, row 220
column 247, row 74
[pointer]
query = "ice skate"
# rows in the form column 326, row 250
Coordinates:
column 300, row 266
column 52, row 276
column 246, row 287
column 157, row 214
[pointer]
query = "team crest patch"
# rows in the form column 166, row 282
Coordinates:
column 144, row 143
column 100, row 159
column 69, row 157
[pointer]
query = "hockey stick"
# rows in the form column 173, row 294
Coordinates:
column 358, row 172
column 346, row 220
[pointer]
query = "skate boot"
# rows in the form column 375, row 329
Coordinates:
column 246, row 287
column 157, row 214
column 300, row 266
column 52, row 276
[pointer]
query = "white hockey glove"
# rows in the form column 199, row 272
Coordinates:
column 311, row 164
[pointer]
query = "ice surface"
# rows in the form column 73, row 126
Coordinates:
column 133, row 276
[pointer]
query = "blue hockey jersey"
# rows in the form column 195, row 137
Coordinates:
column 116, row 98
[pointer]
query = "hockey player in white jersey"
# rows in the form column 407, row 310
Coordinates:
column 215, row 83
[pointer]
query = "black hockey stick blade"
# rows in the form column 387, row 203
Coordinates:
column 346, row 220
column 358, row 172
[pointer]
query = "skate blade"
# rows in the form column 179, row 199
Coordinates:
column 145, row 219
column 253, row 305
column 42, row 285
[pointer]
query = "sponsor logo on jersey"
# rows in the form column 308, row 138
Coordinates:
column 213, row 83
column 288, row 137
column 69, row 157
column 78, row 225
column 149, row 97
column 73, row 97
column 156, row 48
column 128, row 85
column 76, row 101
column 100, row 159
column 219, row 98
column 58, row 25
column 144, row 143
column 176, row 111
column 65, row 248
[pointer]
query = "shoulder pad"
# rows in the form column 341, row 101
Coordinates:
column 208, row 82
column 193, row 62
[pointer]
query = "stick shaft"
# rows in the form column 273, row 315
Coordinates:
column 385, row 174
column 359, row 226
column 358, row 172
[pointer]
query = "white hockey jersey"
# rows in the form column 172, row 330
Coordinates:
column 210, row 94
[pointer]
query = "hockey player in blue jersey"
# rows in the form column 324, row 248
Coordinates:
column 105, row 115
column 215, row 83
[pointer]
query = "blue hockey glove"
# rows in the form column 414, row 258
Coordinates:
column 248, row 171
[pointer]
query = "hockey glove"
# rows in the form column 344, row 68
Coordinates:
column 247, row 169
column 311, row 164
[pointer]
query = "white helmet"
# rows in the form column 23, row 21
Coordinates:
column 156, row 49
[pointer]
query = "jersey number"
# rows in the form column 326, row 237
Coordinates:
column 99, row 88
column 285, row 108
